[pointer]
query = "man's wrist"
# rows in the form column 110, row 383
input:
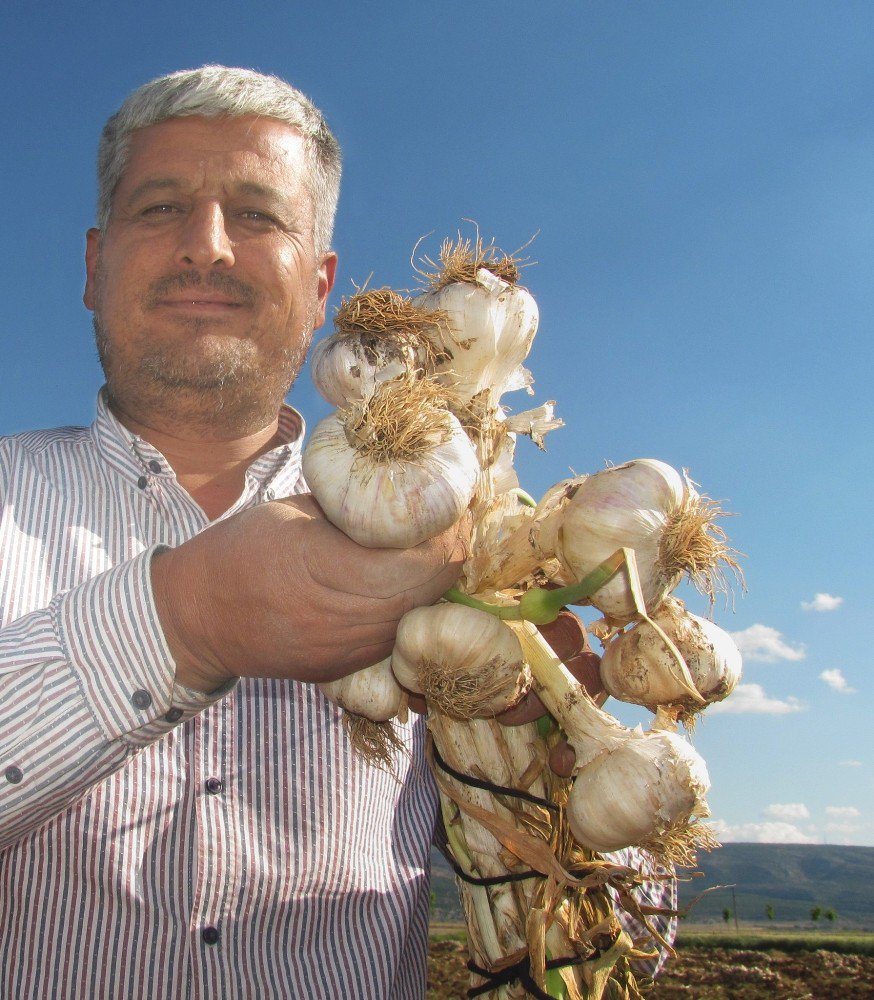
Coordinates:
column 173, row 603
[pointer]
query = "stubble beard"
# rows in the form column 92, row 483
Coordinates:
column 231, row 390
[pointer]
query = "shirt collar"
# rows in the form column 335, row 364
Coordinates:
column 134, row 458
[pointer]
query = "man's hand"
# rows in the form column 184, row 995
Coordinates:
column 278, row 591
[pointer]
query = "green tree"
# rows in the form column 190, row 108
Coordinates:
column 769, row 911
column 726, row 914
column 816, row 913
column 830, row 915
column 433, row 902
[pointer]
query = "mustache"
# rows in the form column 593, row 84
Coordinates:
column 215, row 281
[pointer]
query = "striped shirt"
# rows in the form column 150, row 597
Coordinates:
column 159, row 843
column 156, row 842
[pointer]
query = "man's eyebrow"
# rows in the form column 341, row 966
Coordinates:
column 253, row 188
column 258, row 190
column 154, row 184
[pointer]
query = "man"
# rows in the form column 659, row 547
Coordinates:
column 168, row 829
column 180, row 816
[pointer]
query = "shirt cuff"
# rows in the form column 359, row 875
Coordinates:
column 112, row 638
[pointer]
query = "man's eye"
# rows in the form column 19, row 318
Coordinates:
column 258, row 217
column 159, row 210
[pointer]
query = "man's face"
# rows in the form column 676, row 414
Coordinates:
column 205, row 285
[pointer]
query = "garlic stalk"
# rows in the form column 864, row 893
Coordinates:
column 491, row 321
column 638, row 667
column 394, row 469
column 644, row 505
column 379, row 336
column 493, row 557
column 484, row 833
column 632, row 788
column 466, row 662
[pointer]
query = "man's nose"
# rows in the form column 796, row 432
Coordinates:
column 204, row 240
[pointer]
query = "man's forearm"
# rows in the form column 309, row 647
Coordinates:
column 84, row 683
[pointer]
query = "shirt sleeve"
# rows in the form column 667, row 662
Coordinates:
column 84, row 684
column 656, row 897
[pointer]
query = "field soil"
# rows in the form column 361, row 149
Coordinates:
column 709, row 974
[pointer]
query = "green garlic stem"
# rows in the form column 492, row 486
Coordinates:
column 524, row 498
column 539, row 605
column 508, row 612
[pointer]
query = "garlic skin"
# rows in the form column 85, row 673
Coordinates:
column 391, row 504
column 491, row 327
column 466, row 662
column 638, row 667
column 535, row 423
column 372, row 692
column 346, row 367
column 631, row 795
column 626, row 506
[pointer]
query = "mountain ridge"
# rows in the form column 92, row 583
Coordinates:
column 791, row 879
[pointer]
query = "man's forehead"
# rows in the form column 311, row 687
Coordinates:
column 199, row 138
column 255, row 155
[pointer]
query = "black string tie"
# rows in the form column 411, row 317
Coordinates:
column 521, row 971
column 487, row 786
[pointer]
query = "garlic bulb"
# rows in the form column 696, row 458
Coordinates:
column 347, row 367
column 380, row 335
column 372, row 692
column 394, row 469
column 644, row 789
column 638, row 667
column 466, row 662
column 644, row 505
column 639, row 791
column 491, row 326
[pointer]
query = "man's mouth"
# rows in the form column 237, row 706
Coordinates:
column 202, row 303
column 220, row 294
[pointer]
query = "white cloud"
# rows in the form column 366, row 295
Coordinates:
column 836, row 680
column 845, row 830
column 842, row 812
column 762, row 833
column 851, row 763
column 761, row 642
column 751, row 698
column 823, row 602
column 787, row 811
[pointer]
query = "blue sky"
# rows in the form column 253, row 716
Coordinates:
column 701, row 180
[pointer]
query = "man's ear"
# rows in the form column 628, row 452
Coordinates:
column 327, row 274
column 92, row 254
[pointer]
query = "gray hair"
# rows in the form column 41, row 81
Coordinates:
column 213, row 91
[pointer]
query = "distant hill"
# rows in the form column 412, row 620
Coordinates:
column 792, row 878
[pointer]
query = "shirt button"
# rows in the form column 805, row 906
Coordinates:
column 14, row 775
column 141, row 699
column 174, row 715
column 155, row 466
column 210, row 935
column 214, row 785
column 142, row 482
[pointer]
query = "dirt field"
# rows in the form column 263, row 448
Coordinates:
column 711, row 974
